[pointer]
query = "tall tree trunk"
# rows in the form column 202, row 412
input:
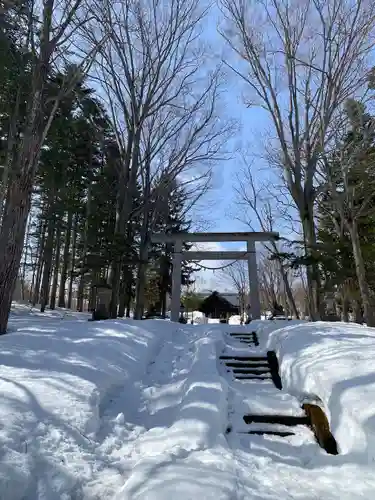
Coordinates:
column 129, row 289
column 24, row 265
column 312, row 270
column 65, row 263
column 22, row 173
column 38, row 267
column 47, row 259
column 81, row 286
column 141, row 277
column 122, row 301
column 288, row 291
column 95, row 276
column 345, row 308
column 34, row 267
column 10, row 149
column 11, row 241
column 73, row 261
column 164, row 284
column 125, row 206
column 357, row 307
column 116, row 265
column 80, row 293
column 56, row 269
column 39, row 272
column 361, row 273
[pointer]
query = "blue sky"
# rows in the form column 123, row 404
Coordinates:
column 252, row 122
column 254, row 128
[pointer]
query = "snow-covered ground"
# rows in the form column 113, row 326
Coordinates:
column 138, row 410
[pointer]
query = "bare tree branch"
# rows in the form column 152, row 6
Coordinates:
column 301, row 61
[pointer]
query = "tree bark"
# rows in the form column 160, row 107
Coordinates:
column 39, row 267
column 10, row 149
column 81, row 286
column 47, row 259
column 288, row 291
column 24, row 265
column 72, row 265
column 357, row 307
column 22, row 173
column 361, row 273
column 122, row 303
column 80, row 293
column 128, row 180
column 345, row 309
column 312, row 271
column 11, row 241
column 65, row 263
column 141, row 281
column 56, row 270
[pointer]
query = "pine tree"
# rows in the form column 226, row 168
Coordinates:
column 172, row 218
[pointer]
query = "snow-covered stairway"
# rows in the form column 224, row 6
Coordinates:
column 246, row 337
column 257, row 406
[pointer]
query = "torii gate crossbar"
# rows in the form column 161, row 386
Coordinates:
column 178, row 256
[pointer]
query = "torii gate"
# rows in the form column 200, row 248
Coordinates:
column 178, row 256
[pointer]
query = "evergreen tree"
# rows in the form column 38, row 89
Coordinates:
column 172, row 218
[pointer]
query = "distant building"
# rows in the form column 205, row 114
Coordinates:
column 219, row 305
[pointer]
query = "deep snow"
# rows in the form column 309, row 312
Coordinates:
column 138, row 410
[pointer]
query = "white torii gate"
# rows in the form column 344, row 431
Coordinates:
column 178, row 256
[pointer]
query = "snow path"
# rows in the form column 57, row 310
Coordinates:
column 181, row 443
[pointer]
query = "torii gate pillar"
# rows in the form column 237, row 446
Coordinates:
column 253, row 280
column 176, row 281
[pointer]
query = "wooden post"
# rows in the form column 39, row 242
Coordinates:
column 253, row 280
column 176, row 281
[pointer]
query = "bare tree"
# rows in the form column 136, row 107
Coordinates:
column 237, row 275
column 52, row 28
column 163, row 109
column 301, row 60
column 270, row 283
column 252, row 202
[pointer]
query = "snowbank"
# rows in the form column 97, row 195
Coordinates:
column 335, row 363
column 196, row 404
column 56, row 379
column 103, row 410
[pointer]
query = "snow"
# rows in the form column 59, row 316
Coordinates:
column 334, row 363
column 120, row 410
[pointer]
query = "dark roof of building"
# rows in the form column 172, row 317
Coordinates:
column 219, row 303
column 231, row 297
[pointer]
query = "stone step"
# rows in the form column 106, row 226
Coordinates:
column 289, row 420
column 252, row 371
column 250, row 336
column 244, row 334
column 245, row 339
column 246, row 364
column 252, row 377
column 241, row 334
column 270, row 433
column 245, row 358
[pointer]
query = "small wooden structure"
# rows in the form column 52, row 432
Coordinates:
column 218, row 307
